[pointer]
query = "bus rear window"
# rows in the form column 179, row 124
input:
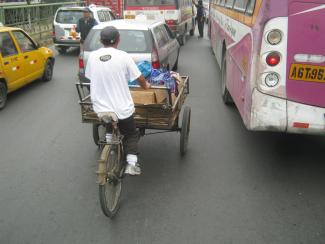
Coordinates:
column 136, row 3
column 68, row 16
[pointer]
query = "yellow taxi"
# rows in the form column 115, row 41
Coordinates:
column 22, row 61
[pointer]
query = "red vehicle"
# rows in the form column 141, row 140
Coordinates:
column 115, row 5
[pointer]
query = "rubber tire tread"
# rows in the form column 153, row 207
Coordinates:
column 101, row 190
column 185, row 130
column 226, row 97
column 4, row 87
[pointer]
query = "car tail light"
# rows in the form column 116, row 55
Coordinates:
column 81, row 64
column 273, row 59
column 155, row 59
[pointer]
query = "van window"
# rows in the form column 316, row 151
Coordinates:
column 68, row 16
column 7, row 46
column 240, row 5
column 151, row 2
column 104, row 15
column 131, row 41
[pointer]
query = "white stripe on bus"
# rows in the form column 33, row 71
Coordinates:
column 310, row 10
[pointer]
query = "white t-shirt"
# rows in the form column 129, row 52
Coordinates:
column 109, row 71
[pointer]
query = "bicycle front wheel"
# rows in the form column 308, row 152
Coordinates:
column 110, row 192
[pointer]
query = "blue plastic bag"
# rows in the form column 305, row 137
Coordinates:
column 145, row 68
column 160, row 77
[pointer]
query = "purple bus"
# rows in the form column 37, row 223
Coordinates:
column 272, row 59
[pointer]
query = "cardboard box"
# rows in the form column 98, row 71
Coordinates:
column 144, row 97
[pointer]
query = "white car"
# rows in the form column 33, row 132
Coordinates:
column 143, row 40
column 66, row 19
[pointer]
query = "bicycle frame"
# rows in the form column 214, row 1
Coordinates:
column 103, row 173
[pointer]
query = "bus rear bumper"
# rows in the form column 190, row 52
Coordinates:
column 268, row 112
column 277, row 114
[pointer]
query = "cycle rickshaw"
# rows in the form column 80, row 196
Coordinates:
column 157, row 109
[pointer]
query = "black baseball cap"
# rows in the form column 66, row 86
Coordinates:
column 109, row 34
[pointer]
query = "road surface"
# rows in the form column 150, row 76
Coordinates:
column 233, row 186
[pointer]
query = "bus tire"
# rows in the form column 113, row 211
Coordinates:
column 226, row 97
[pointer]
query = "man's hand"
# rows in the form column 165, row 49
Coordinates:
column 144, row 83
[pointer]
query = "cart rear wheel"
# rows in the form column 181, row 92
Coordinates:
column 185, row 130
column 109, row 193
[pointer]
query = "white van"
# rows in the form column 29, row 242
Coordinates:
column 65, row 21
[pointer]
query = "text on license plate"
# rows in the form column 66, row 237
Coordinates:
column 306, row 72
column 129, row 16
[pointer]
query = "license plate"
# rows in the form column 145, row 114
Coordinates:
column 129, row 16
column 306, row 72
column 67, row 32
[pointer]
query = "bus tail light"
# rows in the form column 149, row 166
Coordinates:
column 273, row 59
column 272, row 79
column 301, row 125
column 274, row 37
column 155, row 59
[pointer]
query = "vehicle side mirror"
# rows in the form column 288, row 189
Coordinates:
column 37, row 45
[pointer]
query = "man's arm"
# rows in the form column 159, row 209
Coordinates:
column 143, row 82
column 133, row 72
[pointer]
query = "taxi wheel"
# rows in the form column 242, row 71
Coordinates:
column 3, row 95
column 48, row 72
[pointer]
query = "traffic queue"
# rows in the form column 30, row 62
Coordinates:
column 150, row 35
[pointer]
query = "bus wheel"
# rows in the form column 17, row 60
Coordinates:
column 226, row 97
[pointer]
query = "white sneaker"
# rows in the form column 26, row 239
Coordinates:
column 133, row 169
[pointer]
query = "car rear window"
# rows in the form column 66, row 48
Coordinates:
column 68, row 16
column 150, row 2
column 131, row 41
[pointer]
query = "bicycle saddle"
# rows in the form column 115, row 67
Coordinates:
column 107, row 117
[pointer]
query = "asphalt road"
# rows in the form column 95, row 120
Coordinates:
column 233, row 186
